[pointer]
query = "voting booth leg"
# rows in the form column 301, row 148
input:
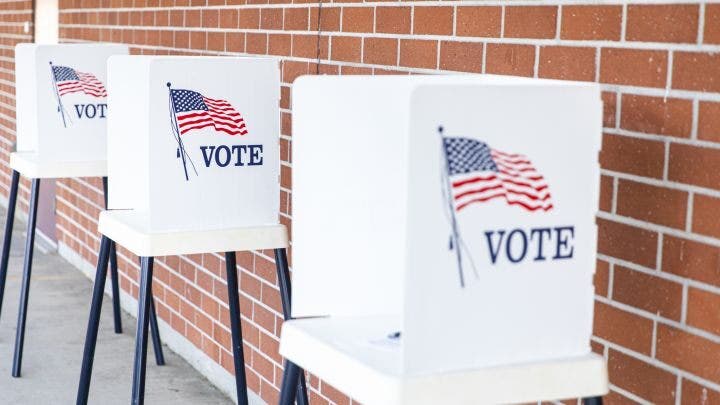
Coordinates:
column 27, row 269
column 8, row 233
column 155, row 333
column 141, row 334
column 289, row 389
column 236, row 331
column 93, row 322
column 592, row 401
column 283, row 274
column 113, row 271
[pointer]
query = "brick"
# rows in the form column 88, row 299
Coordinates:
column 235, row 41
column 662, row 23
column 256, row 43
column 633, row 67
column 601, row 278
column 433, row 21
column 591, row 22
column 689, row 259
column 616, row 398
column 381, row 51
column 509, row 59
column 418, row 53
column 632, row 155
column 712, row 24
column 480, row 21
column 642, row 379
column 249, row 18
column 694, row 165
column 229, row 19
column 567, row 63
column 329, row 19
column 279, row 44
column 271, row 18
column 705, row 219
column 709, row 121
column 693, row 393
column 609, row 109
column 335, row 396
column 461, row 56
column 688, row 352
column 346, row 49
column 306, row 46
column 703, row 310
column 296, row 19
column 624, row 328
column 606, row 193
column 392, row 20
column 647, row 292
column 657, row 115
column 357, row 19
column 696, row 71
column 627, row 242
column 216, row 41
column 530, row 21
column 659, row 205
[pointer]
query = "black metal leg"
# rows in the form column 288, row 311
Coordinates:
column 155, row 333
column 283, row 273
column 8, row 233
column 289, row 390
column 27, row 270
column 113, row 271
column 237, row 341
column 592, row 401
column 93, row 322
column 141, row 334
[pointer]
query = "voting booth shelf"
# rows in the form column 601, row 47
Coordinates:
column 193, row 163
column 61, row 123
column 472, row 232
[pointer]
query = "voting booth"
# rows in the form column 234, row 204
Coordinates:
column 444, row 225
column 195, row 143
column 62, row 95
column 61, row 106
column 193, row 163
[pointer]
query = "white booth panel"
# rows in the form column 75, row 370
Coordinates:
column 523, row 184
column 205, row 139
column 62, row 106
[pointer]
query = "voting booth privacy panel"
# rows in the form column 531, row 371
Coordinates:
column 463, row 207
column 194, row 141
column 62, row 100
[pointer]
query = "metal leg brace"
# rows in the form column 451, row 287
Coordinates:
column 293, row 384
column 27, row 270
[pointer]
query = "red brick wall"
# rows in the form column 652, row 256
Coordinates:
column 658, row 273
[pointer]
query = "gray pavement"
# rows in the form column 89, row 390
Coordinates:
column 55, row 334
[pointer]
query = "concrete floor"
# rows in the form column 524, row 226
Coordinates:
column 57, row 320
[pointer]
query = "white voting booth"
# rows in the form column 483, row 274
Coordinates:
column 62, row 100
column 444, row 237
column 193, row 163
column 195, row 146
column 61, row 105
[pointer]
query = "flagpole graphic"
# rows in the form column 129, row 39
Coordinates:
column 176, row 132
column 454, row 241
column 60, row 107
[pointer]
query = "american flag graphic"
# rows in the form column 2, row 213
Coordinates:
column 69, row 80
column 478, row 173
column 195, row 111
